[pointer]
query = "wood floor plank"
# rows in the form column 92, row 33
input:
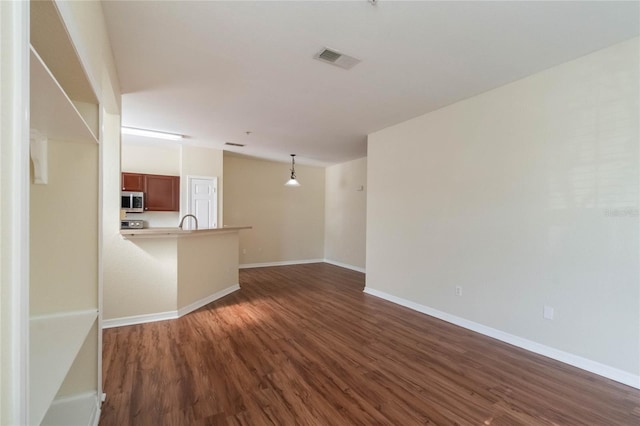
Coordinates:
column 304, row 345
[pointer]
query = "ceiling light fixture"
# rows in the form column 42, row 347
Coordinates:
column 293, row 181
column 151, row 134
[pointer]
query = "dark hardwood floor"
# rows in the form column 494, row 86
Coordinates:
column 303, row 345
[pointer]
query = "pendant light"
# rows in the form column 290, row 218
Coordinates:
column 293, row 181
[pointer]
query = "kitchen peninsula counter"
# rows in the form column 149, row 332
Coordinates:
column 177, row 232
column 175, row 271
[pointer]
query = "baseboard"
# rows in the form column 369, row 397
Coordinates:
column 282, row 263
column 139, row 319
column 345, row 265
column 301, row 262
column 205, row 301
column 81, row 409
column 556, row 354
column 162, row 316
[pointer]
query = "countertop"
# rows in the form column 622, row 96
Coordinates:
column 177, row 232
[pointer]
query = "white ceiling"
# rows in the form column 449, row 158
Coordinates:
column 214, row 70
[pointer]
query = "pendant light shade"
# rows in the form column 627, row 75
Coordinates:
column 293, row 181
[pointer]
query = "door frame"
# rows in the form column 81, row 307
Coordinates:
column 188, row 206
column 14, row 227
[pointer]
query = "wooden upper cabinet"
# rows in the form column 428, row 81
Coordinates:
column 162, row 193
column 133, row 182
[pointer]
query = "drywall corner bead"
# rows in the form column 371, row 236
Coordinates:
column 38, row 144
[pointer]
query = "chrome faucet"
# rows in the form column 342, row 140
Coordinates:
column 186, row 216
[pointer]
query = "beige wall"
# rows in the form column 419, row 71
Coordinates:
column 65, row 213
column 64, row 259
column 140, row 277
column 156, row 159
column 346, row 213
column 64, row 236
column 87, row 28
column 207, row 264
column 174, row 160
column 288, row 223
column 77, row 380
column 78, row 226
column 524, row 196
column 164, row 275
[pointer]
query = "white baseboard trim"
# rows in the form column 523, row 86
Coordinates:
column 205, row 301
column 81, row 409
column 139, row 319
column 301, row 262
column 95, row 418
column 162, row 316
column 345, row 265
column 282, row 263
column 603, row 370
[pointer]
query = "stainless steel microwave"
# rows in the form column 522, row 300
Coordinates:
column 132, row 202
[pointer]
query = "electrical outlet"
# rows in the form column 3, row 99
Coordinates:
column 458, row 290
column 244, row 251
column 547, row 312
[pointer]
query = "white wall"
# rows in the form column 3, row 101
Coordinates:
column 524, row 196
column 288, row 223
column 345, row 212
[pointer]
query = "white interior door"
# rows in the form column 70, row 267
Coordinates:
column 203, row 201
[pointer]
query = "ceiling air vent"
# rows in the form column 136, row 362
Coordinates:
column 234, row 144
column 329, row 55
column 336, row 58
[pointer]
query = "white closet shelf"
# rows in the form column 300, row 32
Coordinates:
column 55, row 340
column 52, row 112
